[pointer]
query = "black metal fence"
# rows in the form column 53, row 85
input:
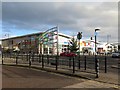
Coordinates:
column 69, row 64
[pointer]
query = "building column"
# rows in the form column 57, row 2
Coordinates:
column 39, row 48
column 48, row 50
column 42, row 48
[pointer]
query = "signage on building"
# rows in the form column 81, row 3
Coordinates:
column 49, row 37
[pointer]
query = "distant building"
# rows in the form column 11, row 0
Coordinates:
column 31, row 43
column 101, row 47
column 107, row 47
column 88, row 46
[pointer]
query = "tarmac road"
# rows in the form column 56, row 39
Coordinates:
column 20, row 77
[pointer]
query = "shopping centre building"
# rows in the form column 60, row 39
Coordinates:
column 31, row 43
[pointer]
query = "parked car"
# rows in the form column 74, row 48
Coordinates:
column 116, row 54
column 68, row 54
column 63, row 54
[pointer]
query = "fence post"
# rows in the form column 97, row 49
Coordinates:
column 70, row 62
column 27, row 56
column 2, row 58
column 79, row 62
column 56, row 62
column 22, row 55
column 42, row 61
column 105, row 63
column 85, row 62
column 47, row 59
column 29, row 61
column 39, row 58
column 73, row 65
column 10, row 55
column 16, row 59
column 32, row 56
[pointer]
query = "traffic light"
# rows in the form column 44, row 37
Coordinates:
column 79, row 35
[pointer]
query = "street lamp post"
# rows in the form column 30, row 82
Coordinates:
column 96, row 60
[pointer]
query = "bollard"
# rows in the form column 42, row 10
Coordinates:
column 42, row 61
column 70, row 62
column 85, row 63
column 73, row 65
column 105, row 63
column 97, row 68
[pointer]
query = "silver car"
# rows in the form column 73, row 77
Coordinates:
column 116, row 54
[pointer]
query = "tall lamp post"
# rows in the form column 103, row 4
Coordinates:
column 96, row 60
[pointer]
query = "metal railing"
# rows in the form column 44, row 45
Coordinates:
column 68, row 64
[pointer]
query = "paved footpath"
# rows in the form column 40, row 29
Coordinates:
column 91, row 84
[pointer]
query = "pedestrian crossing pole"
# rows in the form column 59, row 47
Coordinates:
column 97, row 68
column 79, row 36
column 96, row 60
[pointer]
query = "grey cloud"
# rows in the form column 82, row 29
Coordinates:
column 69, row 16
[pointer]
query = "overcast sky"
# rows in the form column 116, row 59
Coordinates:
column 21, row 18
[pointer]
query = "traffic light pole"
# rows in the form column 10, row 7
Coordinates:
column 79, row 55
column 96, row 59
column 79, row 36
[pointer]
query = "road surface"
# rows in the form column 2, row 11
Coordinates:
column 19, row 77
